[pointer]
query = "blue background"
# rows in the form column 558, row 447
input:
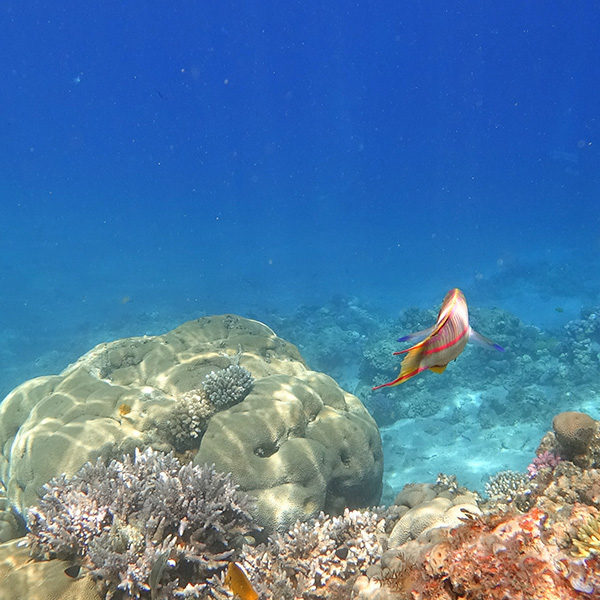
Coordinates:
column 164, row 160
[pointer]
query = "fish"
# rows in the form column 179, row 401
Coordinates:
column 442, row 343
column 237, row 581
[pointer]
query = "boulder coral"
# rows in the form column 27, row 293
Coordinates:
column 296, row 441
column 574, row 432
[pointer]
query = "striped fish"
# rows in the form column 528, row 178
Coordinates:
column 442, row 343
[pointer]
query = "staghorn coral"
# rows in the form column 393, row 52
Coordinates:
column 146, row 526
column 228, row 386
column 320, row 559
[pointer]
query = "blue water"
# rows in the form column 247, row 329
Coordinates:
column 163, row 161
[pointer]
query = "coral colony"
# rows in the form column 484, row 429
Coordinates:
column 154, row 525
column 134, row 517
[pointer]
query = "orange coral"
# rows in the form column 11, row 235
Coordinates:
column 497, row 557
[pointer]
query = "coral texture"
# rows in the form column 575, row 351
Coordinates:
column 145, row 525
column 574, row 432
column 228, row 386
column 188, row 420
column 508, row 487
column 587, row 538
column 495, row 556
column 22, row 578
column 545, row 460
column 292, row 437
column 320, row 559
column 425, row 508
column 299, row 445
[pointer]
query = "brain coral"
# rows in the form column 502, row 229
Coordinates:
column 297, row 441
column 574, row 432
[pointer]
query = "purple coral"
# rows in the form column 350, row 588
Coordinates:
column 546, row 460
column 145, row 525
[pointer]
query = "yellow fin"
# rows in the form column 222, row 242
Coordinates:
column 438, row 369
column 238, row 583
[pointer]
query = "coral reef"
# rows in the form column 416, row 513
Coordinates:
column 543, row 372
column 224, row 387
column 145, row 525
column 320, row 559
column 581, row 345
column 299, row 445
column 497, row 555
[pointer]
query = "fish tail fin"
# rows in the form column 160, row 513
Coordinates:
column 482, row 341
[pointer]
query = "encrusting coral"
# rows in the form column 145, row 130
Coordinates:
column 494, row 556
column 145, row 525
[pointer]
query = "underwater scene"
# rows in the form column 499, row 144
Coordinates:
column 300, row 300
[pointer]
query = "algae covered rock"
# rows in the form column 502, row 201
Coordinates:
column 294, row 439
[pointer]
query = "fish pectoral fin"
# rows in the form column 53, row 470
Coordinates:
column 438, row 369
column 418, row 336
column 482, row 341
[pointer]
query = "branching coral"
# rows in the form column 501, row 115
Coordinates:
column 227, row 387
column 543, row 461
column 587, row 540
column 320, row 559
column 188, row 420
column 509, row 487
column 146, row 525
column 192, row 411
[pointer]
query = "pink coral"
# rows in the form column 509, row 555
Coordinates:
column 545, row 460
